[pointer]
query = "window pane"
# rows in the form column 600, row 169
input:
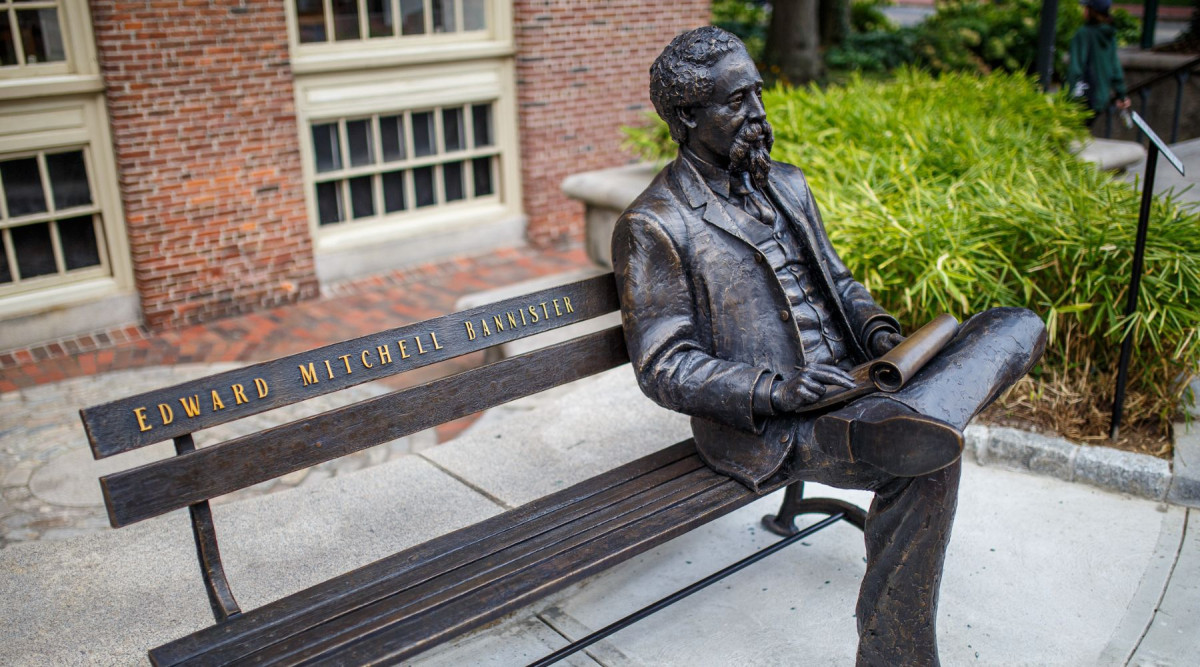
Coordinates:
column 41, row 37
column 35, row 254
column 452, row 173
column 481, row 121
column 379, row 18
column 22, row 186
column 8, row 50
column 412, row 14
column 393, row 191
column 452, row 129
column 310, row 15
column 78, row 239
column 443, row 15
column 482, row 167
column 474, row 17
column 345, row 19
column 423, row 180
column 5, row 271
column 423, row 139
column 329, row 203
column 391, row 132
column 325, row 147
column 358, row 138
column 68, row 180
column 361, row 200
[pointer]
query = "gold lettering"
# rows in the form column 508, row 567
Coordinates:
column 217, row 404
column 420, row 349
column 470, row 331
column 533, row 314
column 363, row 357
column 166, row 413
column 346, row 360
column 404, row 354
column 385, row 354
column 191, row 406
column 261, row 385
column 140, row 413
column 309, row 375
column 557, row 311
column 567, row 303
column 486, row 330
column 523, row 321
column 435, row 343
column 545, row 313
column 499, row 323
column 329, row 369
column 512, row 321
column 239, row 394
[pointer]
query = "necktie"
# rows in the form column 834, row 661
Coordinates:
column 752, row 201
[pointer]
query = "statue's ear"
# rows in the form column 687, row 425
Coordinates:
column 686, row 116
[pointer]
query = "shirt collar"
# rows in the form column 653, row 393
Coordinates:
column 716, row 177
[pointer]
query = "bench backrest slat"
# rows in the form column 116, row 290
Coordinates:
column 152, row 417
column 162, row 486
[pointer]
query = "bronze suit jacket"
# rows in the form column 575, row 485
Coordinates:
column 705, row 316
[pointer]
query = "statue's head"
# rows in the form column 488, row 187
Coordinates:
column 707, row 89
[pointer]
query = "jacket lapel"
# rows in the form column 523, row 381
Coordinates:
column 698, row 195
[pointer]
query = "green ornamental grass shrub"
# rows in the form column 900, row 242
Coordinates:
column 958, row 193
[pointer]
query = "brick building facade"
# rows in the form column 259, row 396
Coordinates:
column 175, row 161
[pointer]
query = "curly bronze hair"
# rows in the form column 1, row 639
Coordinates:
column 679, row 77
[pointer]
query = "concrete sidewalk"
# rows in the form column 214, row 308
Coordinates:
column 1040, row 571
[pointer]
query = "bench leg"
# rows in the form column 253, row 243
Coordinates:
column 794, row 503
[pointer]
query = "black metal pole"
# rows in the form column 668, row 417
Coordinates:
column 1149, row 18
column 1135, row 284
column 683, row 592
column 1045, row 45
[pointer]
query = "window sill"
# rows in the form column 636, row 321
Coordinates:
column 43, row 86
column 367, row 58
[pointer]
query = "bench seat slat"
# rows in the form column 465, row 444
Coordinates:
column 162, row 486
column 485, row 560
column 416, row 563
column 481, row 575
column 114, row 427
column 395, row 642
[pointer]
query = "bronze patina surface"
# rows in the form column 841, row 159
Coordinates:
column 739, row 312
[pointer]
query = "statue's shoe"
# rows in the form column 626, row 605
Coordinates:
column 891, row 437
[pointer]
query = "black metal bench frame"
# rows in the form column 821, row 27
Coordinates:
column 407, row 603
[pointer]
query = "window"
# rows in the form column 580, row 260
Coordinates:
column 51, row 227
column 326, row 21
column 391, row 163
column 32, row 39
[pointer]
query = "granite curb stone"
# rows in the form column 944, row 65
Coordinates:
column 1138, row 475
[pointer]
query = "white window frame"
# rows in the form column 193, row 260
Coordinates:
column 338, row 97
column 79, row 73
column 58, row 124
column 384, row 52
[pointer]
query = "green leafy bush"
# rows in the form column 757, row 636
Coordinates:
column 958, row 193
column 975, row 36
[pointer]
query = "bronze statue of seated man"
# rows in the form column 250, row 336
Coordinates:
column 738, row 312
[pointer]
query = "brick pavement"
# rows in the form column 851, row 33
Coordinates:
column 346, row 310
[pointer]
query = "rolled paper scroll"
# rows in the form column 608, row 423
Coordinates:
column 893, row 370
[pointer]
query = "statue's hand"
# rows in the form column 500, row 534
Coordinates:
column 883, row 341
column 807, row 386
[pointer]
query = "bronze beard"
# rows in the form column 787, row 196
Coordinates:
column 751, row 152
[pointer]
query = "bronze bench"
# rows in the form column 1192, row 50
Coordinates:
column 401, row 605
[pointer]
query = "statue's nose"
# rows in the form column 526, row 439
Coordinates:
column 755, row 110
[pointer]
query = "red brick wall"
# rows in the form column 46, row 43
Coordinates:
column 204, row 127
column 582, row 72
